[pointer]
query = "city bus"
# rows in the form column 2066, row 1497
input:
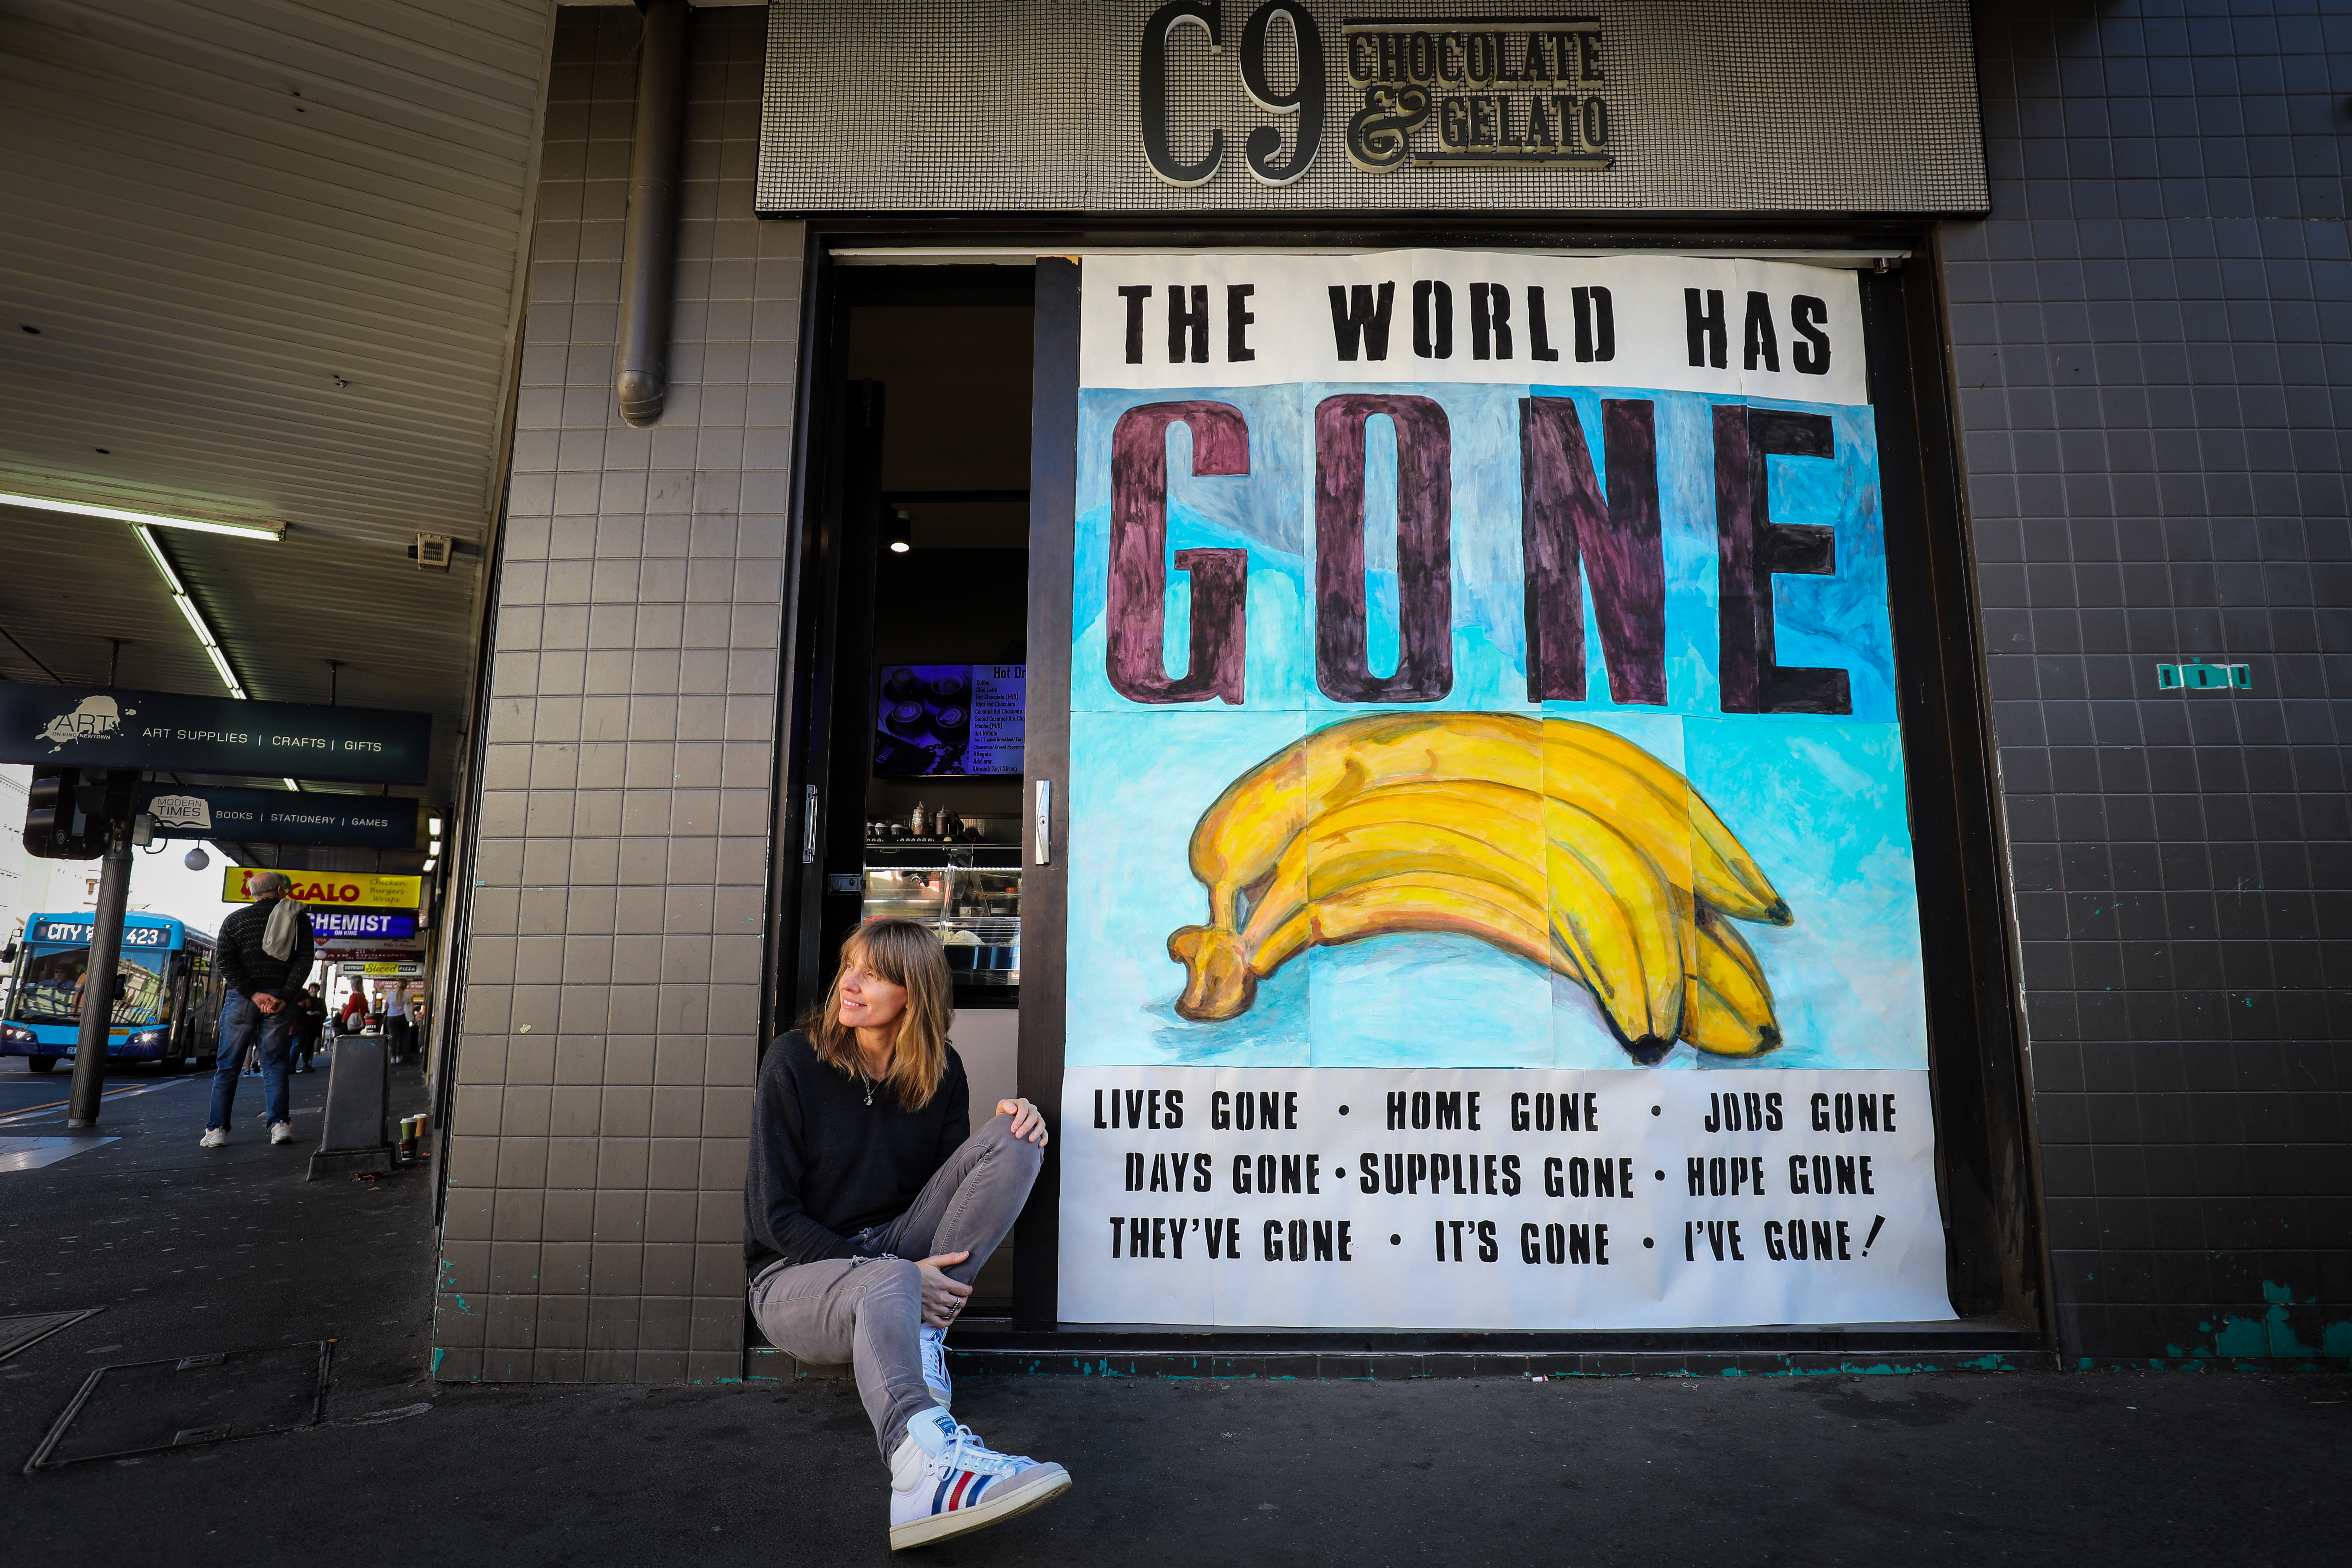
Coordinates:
column 167, row 996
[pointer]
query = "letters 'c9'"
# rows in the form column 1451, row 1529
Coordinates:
column 1262, row 148
column 1152, row 90
column 1305, row 100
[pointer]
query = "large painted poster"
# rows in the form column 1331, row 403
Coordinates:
column 1491, row 898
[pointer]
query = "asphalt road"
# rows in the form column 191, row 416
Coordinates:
column 191, row 1251
column 22, row 1091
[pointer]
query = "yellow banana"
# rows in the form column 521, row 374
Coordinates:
column 1727, row 1005
column 1712, row 1025
column 1656, row 807
column 1219, row 983
column 1553, row 839
column 1221, row 970
column 1485, row 830
column 1481, row 832
column 1434, row 903
column 1246, row 828
column 1460, row 905
column 1610, row 898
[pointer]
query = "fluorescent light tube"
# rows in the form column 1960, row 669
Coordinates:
column 188, row 612
column 273, row 532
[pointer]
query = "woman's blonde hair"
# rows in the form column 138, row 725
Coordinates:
column 907, row 954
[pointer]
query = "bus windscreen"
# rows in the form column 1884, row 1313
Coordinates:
column 53, row 984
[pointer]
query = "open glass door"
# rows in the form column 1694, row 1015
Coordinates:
column 1053, row 479
column 915, row 614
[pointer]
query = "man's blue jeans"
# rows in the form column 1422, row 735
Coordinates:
column 238, row 1020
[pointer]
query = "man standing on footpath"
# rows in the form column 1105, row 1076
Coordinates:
column 264, row 954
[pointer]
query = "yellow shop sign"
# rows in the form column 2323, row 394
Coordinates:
column 331, row 890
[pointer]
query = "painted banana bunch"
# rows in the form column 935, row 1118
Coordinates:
column 1553, row 839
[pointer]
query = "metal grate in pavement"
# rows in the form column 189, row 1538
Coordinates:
column 143, row 1408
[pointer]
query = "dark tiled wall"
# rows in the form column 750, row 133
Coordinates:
column 2153, row 349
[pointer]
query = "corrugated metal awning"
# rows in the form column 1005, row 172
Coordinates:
column 261, row 260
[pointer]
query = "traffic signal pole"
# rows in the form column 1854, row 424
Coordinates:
column 98, row 980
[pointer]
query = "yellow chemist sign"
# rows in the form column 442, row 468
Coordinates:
column 330, row 889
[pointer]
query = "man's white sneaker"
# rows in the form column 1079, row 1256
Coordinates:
column 281, row 1132
column 215, row 1138
column 946, row 1482
column 935, row 1366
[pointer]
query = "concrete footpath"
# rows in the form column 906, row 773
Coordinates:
column 190, row 1251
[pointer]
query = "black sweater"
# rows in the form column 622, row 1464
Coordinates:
column 825, row 1166
column 247, row 966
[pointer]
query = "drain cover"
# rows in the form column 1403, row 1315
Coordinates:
column 141, row 1407
column 15, row 1334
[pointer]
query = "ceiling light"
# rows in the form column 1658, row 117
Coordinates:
column 435, row 825
column 436, row 847
column 430, row 863
column 272, row 531
column 899, row 530
column 195, row 618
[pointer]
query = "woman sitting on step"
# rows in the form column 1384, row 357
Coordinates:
column 869, row 1208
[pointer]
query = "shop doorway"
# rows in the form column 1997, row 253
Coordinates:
column 899, row 354
column 913, row 645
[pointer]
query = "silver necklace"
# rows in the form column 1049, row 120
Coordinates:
column 868, row 1082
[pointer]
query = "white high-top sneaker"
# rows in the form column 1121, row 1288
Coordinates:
column 946, row 1482
column 935, row 1365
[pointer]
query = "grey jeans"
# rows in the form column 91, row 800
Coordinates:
column 867, row 1310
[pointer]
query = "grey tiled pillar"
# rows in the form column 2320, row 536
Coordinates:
column 605, row 1069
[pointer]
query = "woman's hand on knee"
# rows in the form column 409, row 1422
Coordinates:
column 942, row 1298
column 1028, row 1122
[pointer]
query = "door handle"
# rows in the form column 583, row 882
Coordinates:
column 808, row 826
column 1043, row 848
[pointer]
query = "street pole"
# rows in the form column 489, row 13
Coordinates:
column 99, row 979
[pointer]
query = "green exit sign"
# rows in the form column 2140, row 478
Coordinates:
column 2198, row 676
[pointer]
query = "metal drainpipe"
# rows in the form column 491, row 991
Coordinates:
column 649, row 252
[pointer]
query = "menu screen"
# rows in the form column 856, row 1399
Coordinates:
column 948, row 719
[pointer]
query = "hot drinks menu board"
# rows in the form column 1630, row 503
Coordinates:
column 949, row 719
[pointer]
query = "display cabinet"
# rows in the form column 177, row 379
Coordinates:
column 970, row 894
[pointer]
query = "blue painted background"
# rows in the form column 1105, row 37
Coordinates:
column 1819, row 801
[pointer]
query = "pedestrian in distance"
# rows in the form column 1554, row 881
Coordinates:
column 264, row 951
column 309, row 1018
column 869, row 1208
column 396, row 1020
column 353, row 1017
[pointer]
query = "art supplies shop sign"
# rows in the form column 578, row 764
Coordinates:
column 1521, row 933
column 108, row 727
